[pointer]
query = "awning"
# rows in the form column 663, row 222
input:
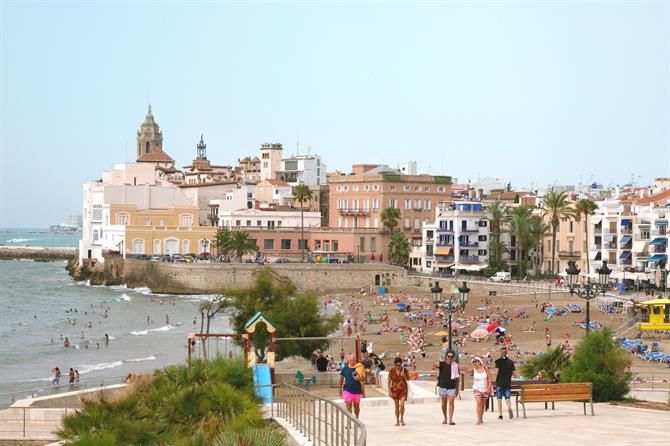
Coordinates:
column 625, row 239
column 443, row 265
column 597, row 219
column 639, row 246
column 658, row 258
column 625, row 255
column 443, row 251
column 626, row 222
column 593, row 255
column 659, row 241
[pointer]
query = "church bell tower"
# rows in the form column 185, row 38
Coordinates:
column 149, row 136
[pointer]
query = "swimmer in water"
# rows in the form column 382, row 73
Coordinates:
column 106, row 339
column 167, row 320
column 66, row 343
column 148, row 320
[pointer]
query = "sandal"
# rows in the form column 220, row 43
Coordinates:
column 452, row 424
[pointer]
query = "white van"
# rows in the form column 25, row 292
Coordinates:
column 501, row 276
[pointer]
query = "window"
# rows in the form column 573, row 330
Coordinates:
column 373, row 244
column 464, row 225
column 185, row 246
column 366, row 188
column 271, row 224
column 571, row 227
column 147, row 222
column 408, row 204
column 95, row 234
column 238, row 222
column 269, row 244
column 375, row 203
column 162, row 222
column 427, row 205
column 278, row 222
column 405, row 188
column 157, row 246
column 259, row 223
column 392, row 188
column 97, row 212
column 376, row 222
column 248, row 222
column 355, row 204
column 317, row 245
column 122, row 219
column 417, row 188
column 354, row 188
column 302, row 244
column 570, row 245
column 285, row 243
column 375, row 187
column 361, row 244
column 483, row 223
column 481, row 252
column 393, row 203
column 481, row 238
column 335, row 246
column 426, row 189
column 366, row 205
column 326, row 245
column 645, row 234
column 441, row 188
column 417, row 223
column 406, row 226
column 417, row 205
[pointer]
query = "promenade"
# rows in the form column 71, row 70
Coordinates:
column 566, row 425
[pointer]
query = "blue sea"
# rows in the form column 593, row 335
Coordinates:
column 40, row 303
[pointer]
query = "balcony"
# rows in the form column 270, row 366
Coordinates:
column 470, row 231
column 430, row 240
column 444, row 259
column 354, row 211
column 468, row 259
column 468, row 244
column 445, row 244
column 445, row 230
column 570, row 254
column 659, row 232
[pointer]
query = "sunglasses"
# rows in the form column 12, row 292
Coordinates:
column 450, row 356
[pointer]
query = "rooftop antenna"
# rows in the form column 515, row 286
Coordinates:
column 297, row 145
column 126, row 152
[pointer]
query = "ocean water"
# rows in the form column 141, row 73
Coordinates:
column 38, row 301
column 38, row 237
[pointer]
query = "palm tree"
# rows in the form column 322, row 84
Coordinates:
column 585, row 207
column 390, row 218
column 520, row 225
column 538, row 230
column 496, row 212
column 557, row 206
column 398, row 249
column 302, row 194
column 223, row 242
column 240, row 244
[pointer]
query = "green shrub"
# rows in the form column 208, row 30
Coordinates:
column 547, row 365
column 599, row 360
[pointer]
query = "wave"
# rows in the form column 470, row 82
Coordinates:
column 148, row 358
column 167, row 327
column 84, row 369
column 140, row 333
column 124, row 297
column 18, row 240
column 118, row 287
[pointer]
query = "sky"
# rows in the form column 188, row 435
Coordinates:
column 532, row 92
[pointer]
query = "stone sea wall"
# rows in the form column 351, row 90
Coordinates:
column 203, row 278
column 37, row 253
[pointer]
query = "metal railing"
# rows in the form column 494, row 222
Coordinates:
column 32, row 423
column 650, row 381
column 319, row 419
column 7, row 399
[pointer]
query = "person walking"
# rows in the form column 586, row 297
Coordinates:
column 448, row 379
column 547, row 337
column 504, row 371
column 398, row 387
column 71, row 376
column 352, row 384
column 481, row 386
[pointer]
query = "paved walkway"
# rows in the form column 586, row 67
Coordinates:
column 564, row 426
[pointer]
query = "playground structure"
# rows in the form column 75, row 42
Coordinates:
column 655, row 315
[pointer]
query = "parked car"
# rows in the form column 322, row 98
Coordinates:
column 178, row 259
column 501, row 276
column 142, row 257
column 281, row 260
column 168, row 258
column 204, row 256
column 188, row 258
column 155, row 258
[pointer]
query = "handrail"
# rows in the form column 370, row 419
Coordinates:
column 319, row 419
column 56, row 389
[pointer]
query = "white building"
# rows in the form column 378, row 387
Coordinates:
column 303, row 169
column 266, row 218
column 459, row 236
column 271, row 160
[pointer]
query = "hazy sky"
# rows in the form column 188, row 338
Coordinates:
column 531, row 92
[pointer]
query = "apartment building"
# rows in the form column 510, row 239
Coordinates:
column 358, row 199
column 458, row 236
column 650, row 232
column 303, row 169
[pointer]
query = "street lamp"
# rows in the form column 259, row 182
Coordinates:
column 205, row 245
column 449, row 308
column 464, row 293
column 588, row 290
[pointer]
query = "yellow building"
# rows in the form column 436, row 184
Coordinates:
column 174, row 230
column 657, row 315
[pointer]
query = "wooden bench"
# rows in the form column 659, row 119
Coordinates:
column 551, row 393
column 515, row 391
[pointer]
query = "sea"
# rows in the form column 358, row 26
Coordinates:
column 41, row 305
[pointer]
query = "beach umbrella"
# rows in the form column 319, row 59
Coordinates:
column 441, row 333
column 479, row 333
column 500, row 330
column 520, row 310
column 429, row 314
column 492, row 327
column 457, row 326
column 400, row 305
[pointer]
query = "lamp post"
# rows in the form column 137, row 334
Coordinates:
column 437, row 295
column 205, row 245
column 464, row 293
column 588, row 290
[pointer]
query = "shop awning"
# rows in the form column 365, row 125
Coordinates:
column 443, row 251
column 658, row 258
column 659, row 241
column 625, row 255
column 625, row 239
column 639, row 246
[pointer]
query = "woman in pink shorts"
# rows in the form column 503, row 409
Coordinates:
column 352, row 387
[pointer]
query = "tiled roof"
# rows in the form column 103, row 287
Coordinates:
column 661, row 196
column 277, row 182
column 155, row 156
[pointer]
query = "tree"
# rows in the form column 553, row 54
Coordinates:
column 520, row 225
column 295, row 315
column 599, row 360
column 557, row 206
column 223, row 242
column 302, row 194
column 496, row 212
column 538, row 230
column 390, row 218
column 209, row 309
column 547, row 364
column 585, row 207
column 240, row 244
column 398, row 249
